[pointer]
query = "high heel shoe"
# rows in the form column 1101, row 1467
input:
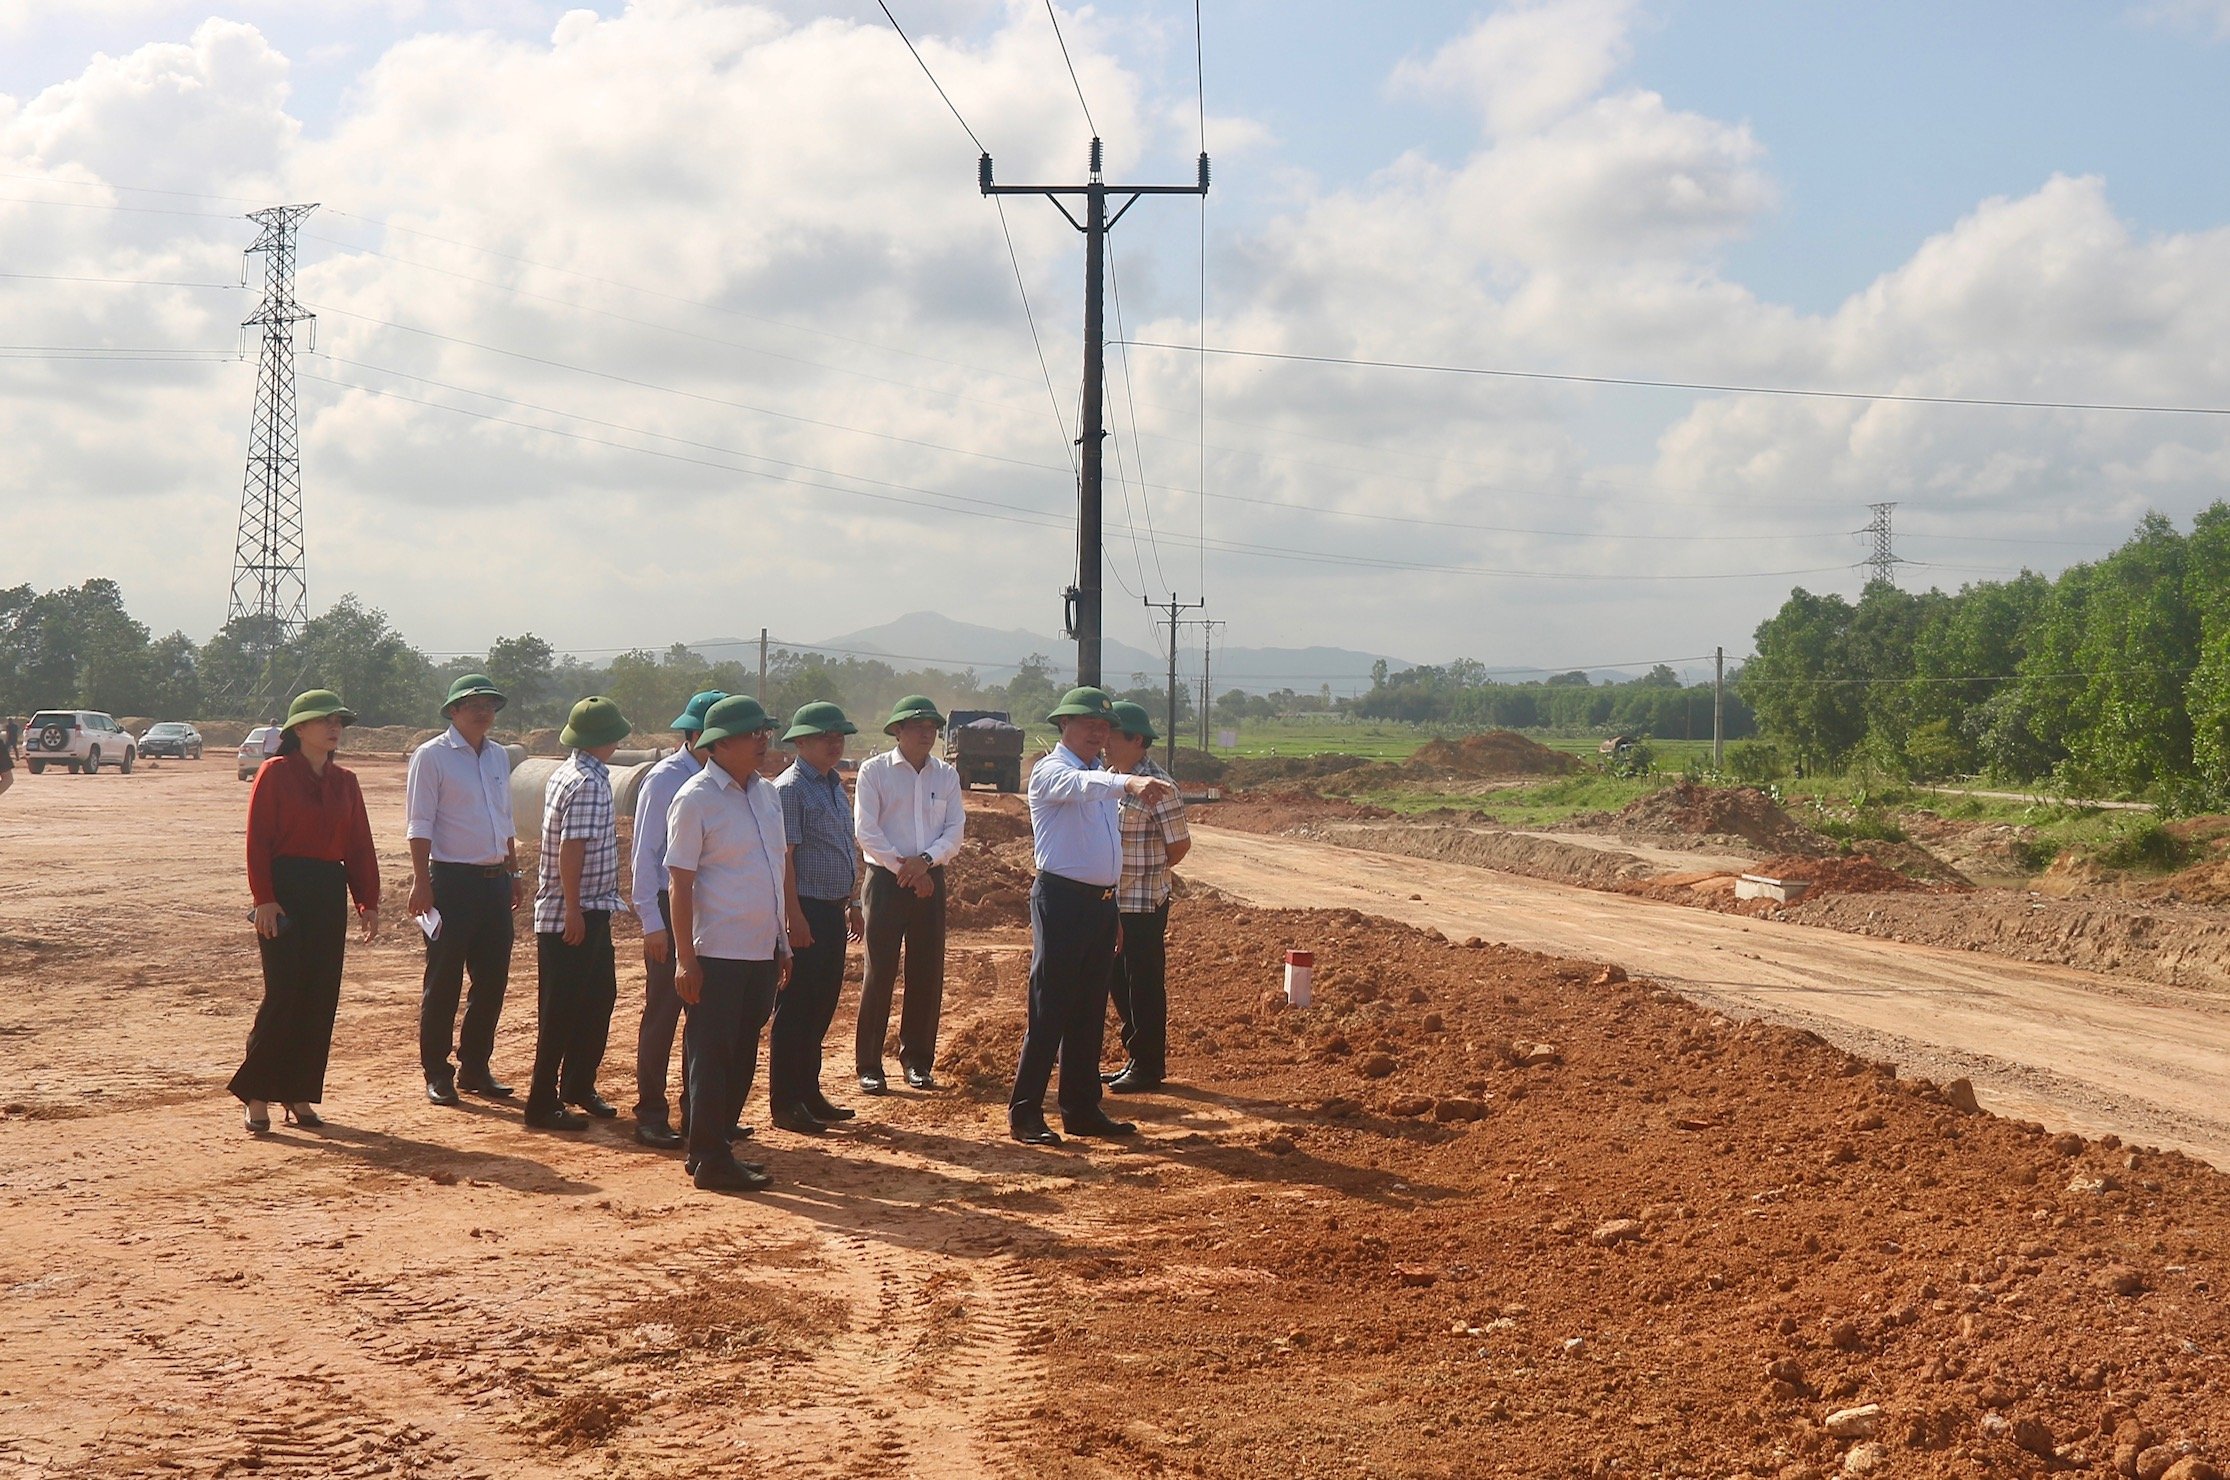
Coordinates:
column 304, row 1116
column 258, row 1125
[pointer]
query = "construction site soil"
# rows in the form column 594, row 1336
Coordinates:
column 1472, row 1212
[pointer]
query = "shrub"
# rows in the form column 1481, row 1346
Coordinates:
column 2145, row 844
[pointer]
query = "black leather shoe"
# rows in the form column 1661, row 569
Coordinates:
column 1031, row 1130
column 481, row 1082
column 442, row 1092
column 1109, row 1076
column 657, row 1135
column 596, row 1105
column 1131, row 1082
column 819, row 1107
column 1096, row 1124
column 871, row 1082
column 740, row 1133
column 730, row 1176
column 799, row 1119
column 560, row 1119
column 920, row 1079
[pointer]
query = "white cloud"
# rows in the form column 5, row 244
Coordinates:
column 1526, row 65
column 2209, row 18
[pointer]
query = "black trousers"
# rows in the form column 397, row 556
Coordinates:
column 293, row 1032
column 475, row 937
column 576, row 989
column 1140, row 989
column 806, row 1007
column 720, row 1045
column 1072, row 949
column 654, row 1039
column 901, row 918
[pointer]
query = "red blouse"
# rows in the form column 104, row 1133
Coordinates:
column 293, row 812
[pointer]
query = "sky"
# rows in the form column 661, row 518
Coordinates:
column 639, row 323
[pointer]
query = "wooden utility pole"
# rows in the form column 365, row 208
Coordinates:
column 1082, row 599
column 1208, row 626
column 1719, row 710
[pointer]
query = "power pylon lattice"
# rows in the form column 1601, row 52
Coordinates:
column 270, row 595
column 1883, row 561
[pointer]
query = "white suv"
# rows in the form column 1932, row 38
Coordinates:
column 82, row 739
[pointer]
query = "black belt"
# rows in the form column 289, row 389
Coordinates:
column 476, row 870
column 1078, row 886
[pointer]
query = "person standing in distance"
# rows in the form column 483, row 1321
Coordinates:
column 1155, row 840
column 909, row 819
column 464, row 863
column 309, row 848
column 576, row 977
column 1077, row 839
column 824, row 860
column 728, row 880
column 654, row 1039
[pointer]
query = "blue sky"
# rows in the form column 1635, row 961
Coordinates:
column 1982, row 199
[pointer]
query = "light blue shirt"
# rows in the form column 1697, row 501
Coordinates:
column 652, row 801
column 730, row 836
column 1076, row 827
column 459, row 800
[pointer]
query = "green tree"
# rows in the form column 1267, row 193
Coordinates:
column 525, row 669
column 1801, row 684
column 353, row 650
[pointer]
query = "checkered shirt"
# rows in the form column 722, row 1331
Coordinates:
column 577, row 805
column 817, row 822
column 1147, row 834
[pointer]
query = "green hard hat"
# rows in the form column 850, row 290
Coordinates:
column 1086, row 703
column 739, row 714
column 317, row 704
column 693, row 717
column 473, row 686
column 913, row 706
column 594, row 721
column 1132, row 719
column 819, row 718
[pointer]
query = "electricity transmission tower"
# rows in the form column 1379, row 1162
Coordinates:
column 1083, row 598
column 1884, row 560
column 270, row 597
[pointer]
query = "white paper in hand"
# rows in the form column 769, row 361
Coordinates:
column 430, row 922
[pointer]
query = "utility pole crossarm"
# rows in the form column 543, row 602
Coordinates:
column 1082, row 600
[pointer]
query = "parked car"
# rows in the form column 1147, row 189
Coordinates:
column 171, row 738
column 82, row 739
column 251, row 757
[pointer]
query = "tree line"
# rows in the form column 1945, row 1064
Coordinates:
column 1460, row 695
column 2112, row 678
column 78, row 647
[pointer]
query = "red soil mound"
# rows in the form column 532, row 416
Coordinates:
column 1492, row 753
column 1688, row 811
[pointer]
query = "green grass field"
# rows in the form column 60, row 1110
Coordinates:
column 1375, row 740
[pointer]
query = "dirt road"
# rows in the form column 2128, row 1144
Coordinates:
column 2072, row 1049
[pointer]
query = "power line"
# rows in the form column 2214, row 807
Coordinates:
column 1687, row 385
column 1079, row 86
column 66, row 277
column 933, row 82
column 1138, row 452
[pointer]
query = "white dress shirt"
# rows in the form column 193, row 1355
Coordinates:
column 730, row 836
column 459, row 801
column 1076, row 827
column 901, row 813
column 652, row 802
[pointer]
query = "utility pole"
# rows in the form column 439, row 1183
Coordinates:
column 1719, row 710
column 1081, row 602
column 762, row 694
column 1169, row 737
column 1884, row 559
column 1208, row 626
column 269, row 589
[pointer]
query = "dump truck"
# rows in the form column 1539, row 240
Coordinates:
column 985, row 747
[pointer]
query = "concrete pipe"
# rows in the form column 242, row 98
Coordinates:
column 532, row 775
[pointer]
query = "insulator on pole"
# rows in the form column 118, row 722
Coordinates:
column 983, row 173
column 1204, row 171
column 1095, row 156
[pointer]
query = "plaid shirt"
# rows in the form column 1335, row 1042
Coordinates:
column 577, row 806
column 1147, row 834
column 817, row 822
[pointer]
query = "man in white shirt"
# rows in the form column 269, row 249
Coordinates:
column 464, row 863
column 728, row 883
column 908, row 817
column 654, row 1036
column 1076, row 836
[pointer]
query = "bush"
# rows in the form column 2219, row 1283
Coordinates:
column 1755, row 762
column 2145, row 844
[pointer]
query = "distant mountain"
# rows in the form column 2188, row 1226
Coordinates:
column 929, row 640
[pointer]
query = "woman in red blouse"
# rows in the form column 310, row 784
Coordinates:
column 309, row 849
